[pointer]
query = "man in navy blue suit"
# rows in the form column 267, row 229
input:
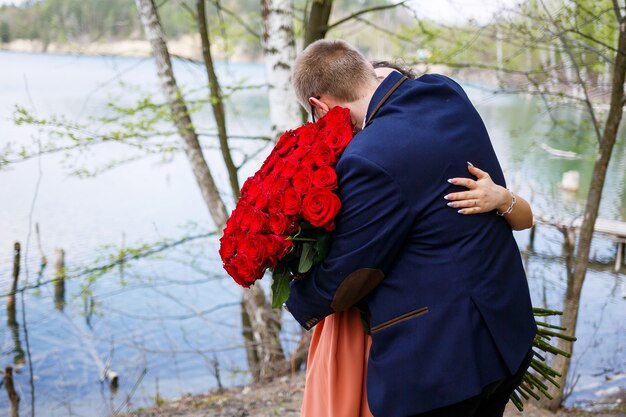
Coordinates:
column 444, row 295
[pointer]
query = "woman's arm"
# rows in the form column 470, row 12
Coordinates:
column 484, row 195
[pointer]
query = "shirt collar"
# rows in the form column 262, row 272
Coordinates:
column 380, row 92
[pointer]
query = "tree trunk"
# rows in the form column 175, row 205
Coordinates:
column 14, row 398
column 216, row 98
column 264, row 322
column 576, row 277
column 11, row 314
column 180, row 113
column 279, row 51
column 265, row 328
column 317, row 24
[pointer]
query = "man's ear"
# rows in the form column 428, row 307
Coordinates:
column 321, row 106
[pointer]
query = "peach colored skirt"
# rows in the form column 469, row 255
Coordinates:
column 335, row 375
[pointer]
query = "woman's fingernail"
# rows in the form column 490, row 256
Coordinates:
column 446, row 196
column 460, row 211
column 470, row 164
column 451, row 181
column 450, row 204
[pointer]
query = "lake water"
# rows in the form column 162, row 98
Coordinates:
column 162, row 322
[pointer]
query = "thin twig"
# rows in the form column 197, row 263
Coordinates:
column 362, row 12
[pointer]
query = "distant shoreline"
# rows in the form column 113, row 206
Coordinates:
column 186, row 47
column 189, row 47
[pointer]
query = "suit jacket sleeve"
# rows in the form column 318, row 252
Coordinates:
column 372, row 225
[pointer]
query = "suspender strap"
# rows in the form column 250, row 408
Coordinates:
column 384, row 99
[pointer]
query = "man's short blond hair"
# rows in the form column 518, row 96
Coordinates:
column 331, row 67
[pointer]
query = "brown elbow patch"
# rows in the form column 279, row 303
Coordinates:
column 356, row 286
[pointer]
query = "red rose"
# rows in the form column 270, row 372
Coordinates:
column 302, row 180
column 320, row 206
column 278, row 223
column 228, row 247
column 233, row 272
column 276, row 247
column 246, row 271
column 269, row 164
column 339, row 139
column 272, row 247
column 286, row 142
column 325, row 177
column 267, row 186
column 252, row 248
column 280, row 185
column 323, row 154
column 299, row 153
column 295, row 183
column 247, row 213
column 261, row 201
column 308, row 161
column 292, row 202
column 307, row 134
column 289, row 169
column 275, row 204
column 231, row 225
column 251, row 189
column 236, row 215
column 258, row 221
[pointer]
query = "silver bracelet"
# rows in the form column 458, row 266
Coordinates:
column 510, row 209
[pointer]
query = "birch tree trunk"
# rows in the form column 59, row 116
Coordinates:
column 154, row 32
column 576, row 275
column 279, row 51
column 262, row 323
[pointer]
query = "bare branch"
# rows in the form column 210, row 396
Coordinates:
column 583, row 85
column 189, row 10
column 386, row 31
column 237, row 18
column 128, row 255
column 362, row 12
column 618, row 14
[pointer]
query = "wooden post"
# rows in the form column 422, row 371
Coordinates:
column 44, row 260
column 619, row 258
column 531, row 238
column 59, row 279
column 11, row 317
column 14, row 399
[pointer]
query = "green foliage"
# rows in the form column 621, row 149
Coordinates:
column 280, row 287
column 539, row 374
column 98, row 20
column 306, row 257
column 5, row 32
column 310, row 247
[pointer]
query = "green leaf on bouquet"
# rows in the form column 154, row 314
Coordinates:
column 321, row 247
column 280, row 287
column 306, row 258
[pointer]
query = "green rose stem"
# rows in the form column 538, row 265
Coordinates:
column 302, row 239
column 532, row 384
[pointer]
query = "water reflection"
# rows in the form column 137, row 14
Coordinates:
column 174, row 317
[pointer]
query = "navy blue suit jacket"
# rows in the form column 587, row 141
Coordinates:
column 445, row 294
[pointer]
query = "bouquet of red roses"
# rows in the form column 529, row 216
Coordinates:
column 287, row 209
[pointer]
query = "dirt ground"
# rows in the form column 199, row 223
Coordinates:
column 283, row 397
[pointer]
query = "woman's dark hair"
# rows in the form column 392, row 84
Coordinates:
column 403, row 69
